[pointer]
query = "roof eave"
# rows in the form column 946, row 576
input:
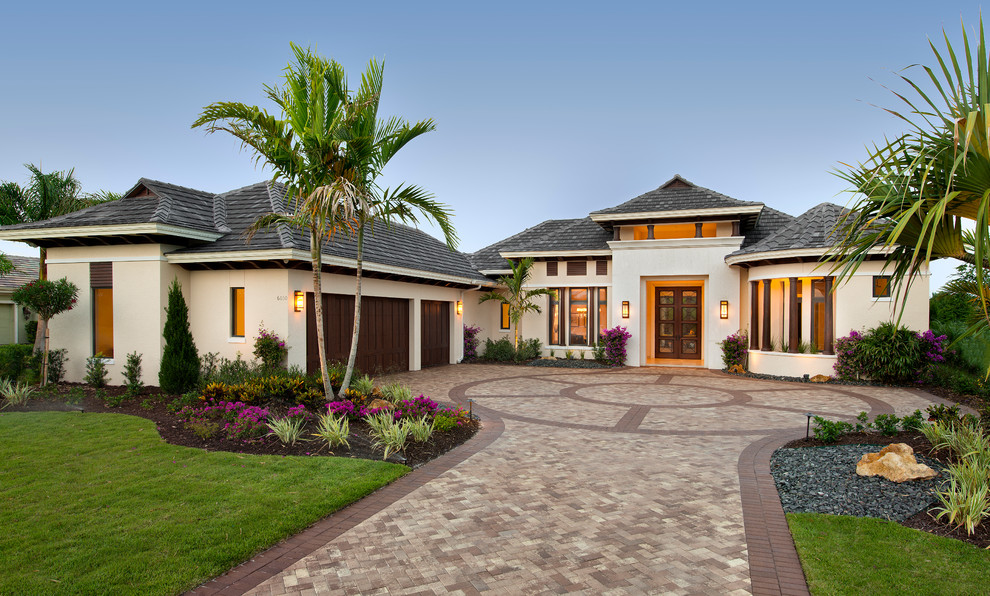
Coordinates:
column 31, row 234
column 619, row 217
column 771, row 255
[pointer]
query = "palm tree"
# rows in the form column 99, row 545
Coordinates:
column 514, row 293
column 43, row 197
column 373, row 143
column 919, row 192
column 306, row 148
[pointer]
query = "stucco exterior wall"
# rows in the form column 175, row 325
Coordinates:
column 791, row 365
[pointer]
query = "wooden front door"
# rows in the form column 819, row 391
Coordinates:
column 677, row 323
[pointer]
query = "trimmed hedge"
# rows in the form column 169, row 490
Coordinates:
column 14, row 360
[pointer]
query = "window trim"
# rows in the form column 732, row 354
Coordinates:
column 107, row 358
column 234, row 312
column 873, row 288
column 589, row 319
column 504, row 318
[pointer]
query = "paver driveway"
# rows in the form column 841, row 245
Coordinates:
column 635, row 481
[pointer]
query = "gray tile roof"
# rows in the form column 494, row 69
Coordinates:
column 769, row 222
column 811, row 229
column 549, row 236
column 171, row 204
column 25, row 270
column 675, row 195
column 397, row 245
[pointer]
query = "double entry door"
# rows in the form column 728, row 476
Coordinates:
column 678, row 323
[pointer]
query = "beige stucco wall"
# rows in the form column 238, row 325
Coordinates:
column 791, row 365
column 140, row 288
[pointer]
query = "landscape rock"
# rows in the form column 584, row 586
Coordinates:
column 739, row 370
column 820, row 379
column 894, row 462
column 379, row 404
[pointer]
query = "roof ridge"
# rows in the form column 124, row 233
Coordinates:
column 277, row 202
column 145, row 181
column 164, row 207
column 220, row 214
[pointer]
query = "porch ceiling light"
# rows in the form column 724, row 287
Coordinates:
column 723, row 309
column 460, row 307
column 625, row 309
column 298, row 301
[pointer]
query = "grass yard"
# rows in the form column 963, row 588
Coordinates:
column 851, row 555
column 98, row 503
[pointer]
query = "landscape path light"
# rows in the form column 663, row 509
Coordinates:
column 807, row 429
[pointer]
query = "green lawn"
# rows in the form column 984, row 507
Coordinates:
column 98, row 503
column 851, row 555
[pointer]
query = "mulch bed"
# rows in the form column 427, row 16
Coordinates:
column 151, row 404
column 924, row 520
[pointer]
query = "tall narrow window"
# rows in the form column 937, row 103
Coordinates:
column 578, row 319
column 101, row 282
column 505, row 317
column 602, row 310
column 800, row 310
column 237, row 312
column 554, row 334
column 818, row 314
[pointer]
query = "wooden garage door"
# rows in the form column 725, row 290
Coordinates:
column 384, row 341
column 435, row 337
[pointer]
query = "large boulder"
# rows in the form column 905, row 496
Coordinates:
column 737, row 369
column 894, row 462
column 820, row 379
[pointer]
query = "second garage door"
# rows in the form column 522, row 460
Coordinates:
column 435, row 338
column 384, row 341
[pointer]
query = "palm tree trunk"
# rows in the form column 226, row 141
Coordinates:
column 357, row 314
column 518, row 322
column 317, row 258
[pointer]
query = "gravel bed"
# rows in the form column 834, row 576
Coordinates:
column 824, row 480
column 806, row 379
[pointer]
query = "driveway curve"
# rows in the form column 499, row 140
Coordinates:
column 639, row 480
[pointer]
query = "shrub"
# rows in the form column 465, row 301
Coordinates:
column 47, row 298
column 396, row 392
column 416, row 408
column 364, row 386
column 288, row 429
column 216, row 369
column 390, row 434
column 913, row 421
column 14, row 360
column 735, row 349
column 334, row 430
column 943, row 415
column 270, row 349
column 112, row 401
column 471, row 342
column 887, row 423
column 846, row 366
column 449, row 419
column 132, row 374
column 500, row 350
column 15, row 393
column 191, row 399
column 615, row 340
column 890, row 354
column 31, row 331
column 829, row 431
column 420, row 429
column 238, row 420
column 529, row 349
column 96, row 371
column 598, row 351
column 180, row 360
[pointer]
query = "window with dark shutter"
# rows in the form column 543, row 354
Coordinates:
column 601, row 267
column 551, row 268
column 577, row 267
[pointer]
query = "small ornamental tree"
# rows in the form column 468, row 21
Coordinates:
column 614, row 340
column 179, row 372
column 47, row 298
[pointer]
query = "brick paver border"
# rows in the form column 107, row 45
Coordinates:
column 276, row 559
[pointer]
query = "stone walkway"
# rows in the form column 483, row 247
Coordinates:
column 647, row 480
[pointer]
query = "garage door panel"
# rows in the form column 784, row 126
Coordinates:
column 383, row 344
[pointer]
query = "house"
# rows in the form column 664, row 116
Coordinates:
column 124, row 254
column 12, row 316
column 681, row 267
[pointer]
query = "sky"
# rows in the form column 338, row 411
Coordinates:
column 543, row 110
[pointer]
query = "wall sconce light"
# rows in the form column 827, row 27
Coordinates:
column 625, row 309
column 460, row 307
column 723, row 309
column 298, row 301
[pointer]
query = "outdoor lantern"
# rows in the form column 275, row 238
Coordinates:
column 625, row 309
column 460, row 307
column 298, row 301
column 723, row 309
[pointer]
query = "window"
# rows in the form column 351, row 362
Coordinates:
column 504, row 324
column 577, row 267
column 881, row 286
column 601, row 267
column 818, row 314
column 578, row 317
column 103, row 322
column 101, row 282
column 237, row 312
column 551, row 268
column 602, row 308
column 554, row 334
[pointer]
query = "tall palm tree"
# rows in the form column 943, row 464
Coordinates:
column 43, row 197
column 306, row 149
column 372, row 145
column 919, row 193
column 514, row 293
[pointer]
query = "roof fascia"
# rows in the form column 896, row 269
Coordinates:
column 619, row 217
column 28, row 234
column 555, row 253
column 771, row 255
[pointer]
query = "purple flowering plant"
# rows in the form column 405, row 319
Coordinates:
column 735, row 349
column 933, row 353
column 846, row 366
column 239, row 420
column 471, row 342
column 270, row 348
column 614, row 341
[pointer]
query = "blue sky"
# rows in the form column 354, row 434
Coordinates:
column 543, row 110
